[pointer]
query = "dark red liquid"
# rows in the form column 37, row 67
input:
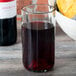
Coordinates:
column 8, row 31
column 38, row 46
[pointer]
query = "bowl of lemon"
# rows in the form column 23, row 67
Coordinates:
column 66, row 16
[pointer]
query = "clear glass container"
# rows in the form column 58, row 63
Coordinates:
column 38, row 37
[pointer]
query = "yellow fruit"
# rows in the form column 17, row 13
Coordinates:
column 67, row 7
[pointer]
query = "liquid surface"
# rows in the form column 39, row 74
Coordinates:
column 38, row 46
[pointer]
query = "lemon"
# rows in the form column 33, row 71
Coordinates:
column 67, row 7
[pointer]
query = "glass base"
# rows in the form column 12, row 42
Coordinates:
column 41, row 71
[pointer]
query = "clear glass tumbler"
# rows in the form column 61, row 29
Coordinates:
column 38, row 37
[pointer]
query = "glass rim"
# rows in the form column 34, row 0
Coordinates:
column 51, row 6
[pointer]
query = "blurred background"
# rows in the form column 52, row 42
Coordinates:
column 22, row 3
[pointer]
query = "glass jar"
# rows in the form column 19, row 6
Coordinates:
column 38, row 37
